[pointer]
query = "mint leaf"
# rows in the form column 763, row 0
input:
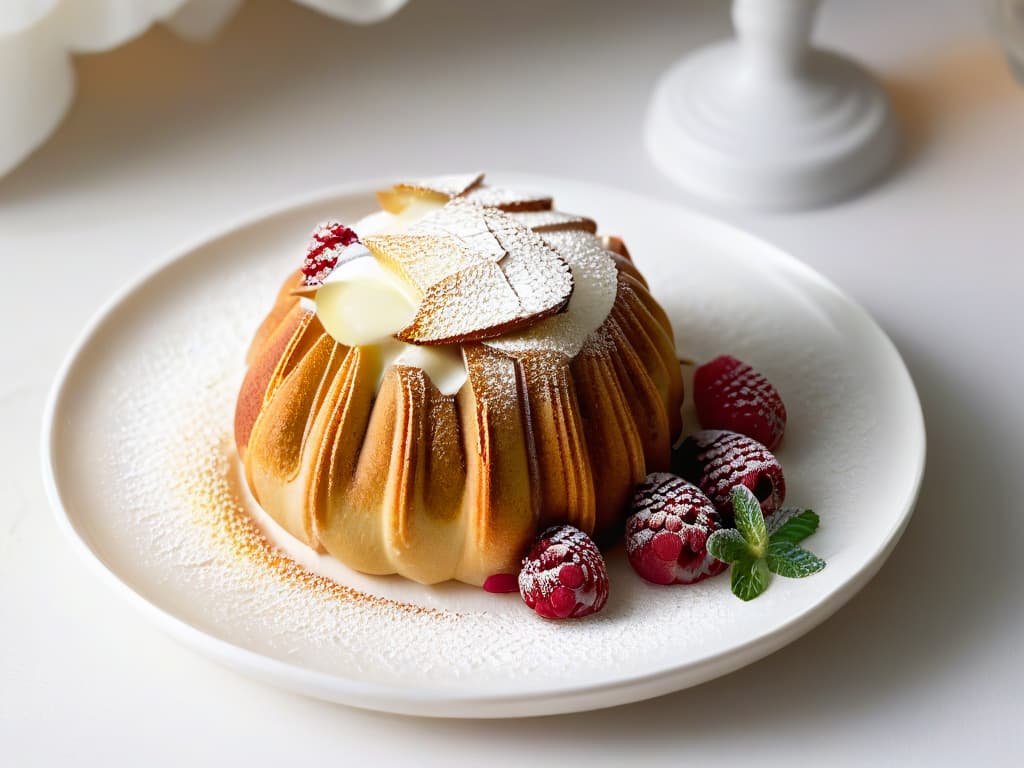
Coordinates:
column 728, row 545
column 796, row 528
column 780, row 517
column 787, row 559
column 750, row 577
column 758, row 548
column 749, row 519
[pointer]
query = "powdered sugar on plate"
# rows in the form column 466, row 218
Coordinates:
column 144, row 463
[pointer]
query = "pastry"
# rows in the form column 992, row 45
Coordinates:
column 452, row 375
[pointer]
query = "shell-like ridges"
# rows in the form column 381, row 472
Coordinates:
column 403, row 479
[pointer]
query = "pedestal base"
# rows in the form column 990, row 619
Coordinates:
column 738, row 137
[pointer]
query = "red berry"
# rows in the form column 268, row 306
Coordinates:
column 729, row 394
column 716, row 461
column 564, row 575
column 501, row 582
column 329, row 240
column 667, row 534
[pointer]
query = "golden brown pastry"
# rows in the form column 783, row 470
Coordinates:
column 478, row 367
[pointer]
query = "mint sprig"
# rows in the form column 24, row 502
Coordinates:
column 787, row 559
column 793, row 525
column 749, row 577
column 756, row 550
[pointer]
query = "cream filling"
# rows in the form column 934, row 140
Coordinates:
column 364, row 304
column 361, row 303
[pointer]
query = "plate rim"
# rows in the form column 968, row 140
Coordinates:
column 472, row 703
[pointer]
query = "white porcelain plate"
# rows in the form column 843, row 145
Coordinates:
column 138, row 460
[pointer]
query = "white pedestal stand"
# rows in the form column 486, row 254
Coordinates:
column 768, row 122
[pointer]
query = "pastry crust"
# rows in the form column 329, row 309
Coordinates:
column 389, row 475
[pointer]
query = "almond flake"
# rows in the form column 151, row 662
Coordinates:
column 480, row 272
column 508, row 199
column 554, row 221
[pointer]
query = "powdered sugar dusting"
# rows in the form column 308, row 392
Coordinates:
column 166, row 369
column 553, row 221
column 469, row 186
column 468, row 225
column 717, row 461
column 730, row 394
column 328, row 243
column 540, row 278
column 564, row 575
column 595, row 281
column 479, row 271
column 451, row 185
column 508, row 199
column 667, row 534
column 182, row 517
column 441, row 253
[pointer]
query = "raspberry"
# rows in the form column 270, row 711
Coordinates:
column 729, row 394
column 329, row 240
column 716, row 461
column 564, row 575
column 501, row 582
column 667, row 534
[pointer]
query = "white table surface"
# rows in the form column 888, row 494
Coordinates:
column 168, row 140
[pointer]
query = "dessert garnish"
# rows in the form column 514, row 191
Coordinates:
column 729, row 394
column 717, row 460
column 755, row 551
column 500, row 583
column 479, row 273
column 324, row 249
column 554, row 221
column 466, row 186
column 564, row 575
column 616, row 245
column 362, row 303
column 438, row 189
column 457, row 355
column 667, row 534
column 511, row 200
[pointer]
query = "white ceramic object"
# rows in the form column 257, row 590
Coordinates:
column 37, row 38
column 138, row 465
column 768, row 122
column 1008, row 25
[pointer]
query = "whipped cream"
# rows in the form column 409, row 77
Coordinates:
column 361, row 303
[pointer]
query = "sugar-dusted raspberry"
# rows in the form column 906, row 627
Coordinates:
column 716, row 461
column 667, row 534
column 564, row 575
column 729, row 394
column 324, row 249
